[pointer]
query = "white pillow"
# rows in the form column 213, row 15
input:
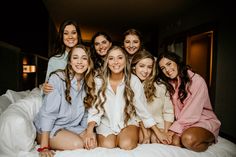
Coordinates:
column 13, row 96
column 4, row 103
column 16, row 125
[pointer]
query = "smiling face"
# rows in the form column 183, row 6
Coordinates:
column 101, row 45
column 70, row 36
column 116, row 61
column 169, row 68
column 143, row 68
column 132, row 43
column 79, row 61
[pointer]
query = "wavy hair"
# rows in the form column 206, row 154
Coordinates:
column 89, row 83
column 149, row 88
column 185, row 80
column 128, row 92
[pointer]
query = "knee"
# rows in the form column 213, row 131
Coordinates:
column 107, row 144
column 127, row 144
column 78, row 144
column 189, row 141
column 176, row 142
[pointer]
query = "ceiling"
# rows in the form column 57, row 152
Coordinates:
column 116, row 15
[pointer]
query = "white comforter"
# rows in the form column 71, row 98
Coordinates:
column 17, row 134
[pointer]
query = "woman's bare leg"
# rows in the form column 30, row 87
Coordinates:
column 142, row 138
column 176, row 141
column 197, row 139
column 107, row 142
column 64, row 140
column 154, row 138
column 128, row 138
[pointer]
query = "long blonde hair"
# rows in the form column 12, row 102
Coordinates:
column 88, row 78
column 149, row 88
column 128, row 92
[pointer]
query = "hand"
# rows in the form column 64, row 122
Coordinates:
column 170, row 135
column 47, row 153
column 162, row 137
column 146, row 137
column 47, row 88
column 90, row 140
column 146, row 140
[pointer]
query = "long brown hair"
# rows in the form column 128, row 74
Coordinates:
column 182, row 73
column 59, row 47
column 149, row 88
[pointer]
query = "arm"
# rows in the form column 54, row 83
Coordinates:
column 51, row 105
column 168, row 109
column 140, row 103
column 163, row 137
column 44, row 139
column 84, row 119
column 44, row 145
column 47, row 88
column 145, row 135
column 167, row 126
column 50, row 68
column 90, row 136
column 54, row 64
column 193, row 105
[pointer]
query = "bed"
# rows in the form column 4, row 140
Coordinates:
column 17, row 110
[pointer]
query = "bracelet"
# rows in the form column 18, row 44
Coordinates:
column 42, row 149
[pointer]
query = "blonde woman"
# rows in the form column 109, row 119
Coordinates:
column 159, row 104
column 120, row 100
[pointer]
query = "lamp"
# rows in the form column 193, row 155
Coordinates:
column 29, row 68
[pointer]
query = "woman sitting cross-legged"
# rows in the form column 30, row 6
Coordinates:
column 196, row 126
column 62, row 120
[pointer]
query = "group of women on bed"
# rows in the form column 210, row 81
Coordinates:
column 118, row 96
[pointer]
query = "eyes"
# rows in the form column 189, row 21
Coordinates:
column 143, row 66
column 168, row 64
column 111, row 58
column 84, row 57
column 103, row 42
column 134, row 41
column 74, row 32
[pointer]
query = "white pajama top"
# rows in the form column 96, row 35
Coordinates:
column 111, row 120
column 161, row 107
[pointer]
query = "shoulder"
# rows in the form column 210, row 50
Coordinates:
column 135, row 81
column 160, row 86
column 58, row 57
column 197, row 80
column 57, row 76
column 53, row 60
column 134, row 78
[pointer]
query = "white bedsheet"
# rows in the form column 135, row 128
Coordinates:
column 223, row 148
